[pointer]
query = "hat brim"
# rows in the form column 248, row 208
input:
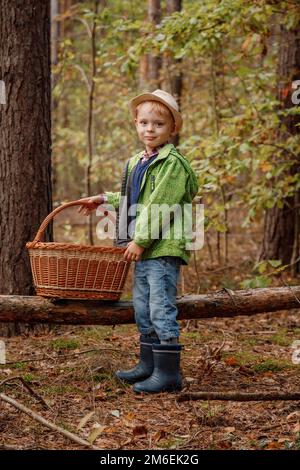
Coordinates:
column 150, row 97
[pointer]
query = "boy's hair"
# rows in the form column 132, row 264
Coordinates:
column 158, row 107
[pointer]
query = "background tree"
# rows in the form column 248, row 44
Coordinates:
column 25, row 140
column 281, row 225
column 150, row 64
column 174, row 81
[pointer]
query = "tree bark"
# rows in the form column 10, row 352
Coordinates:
column 83, row 312
column 174, row 82
column 176, row 75
column 150, row 65
column 90, row 119
column 25, row 140
column 281, row 225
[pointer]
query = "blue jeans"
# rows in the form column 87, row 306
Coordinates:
column 154, row 296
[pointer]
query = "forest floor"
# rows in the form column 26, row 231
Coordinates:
column 256, row 356
column 72, row 369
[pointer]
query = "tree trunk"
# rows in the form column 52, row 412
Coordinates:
column 150, row 65
column 55, row 38
column 25, row 140
column 281, row 225
column 224, row 303
column 174, row 81
column 176, row 75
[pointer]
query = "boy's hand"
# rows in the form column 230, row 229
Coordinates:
column 133, row 252
column 89, row 204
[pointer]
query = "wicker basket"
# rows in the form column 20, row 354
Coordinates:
column 71, row 271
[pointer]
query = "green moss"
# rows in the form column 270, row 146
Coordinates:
column 18, row 365
column 243, row 357
column 99, row 333
column 250, row 341
column 171, row 443
column 61, row 344
column 272, row 365
column 62, row 389
column 28, row 377
column 102, row 376
column 281, row 338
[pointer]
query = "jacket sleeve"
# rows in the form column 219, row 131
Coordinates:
column 113, row 198
column 170, row 190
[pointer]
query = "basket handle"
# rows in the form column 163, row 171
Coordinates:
column 47, row 220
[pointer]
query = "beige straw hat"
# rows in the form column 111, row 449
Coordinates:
column 162, row 97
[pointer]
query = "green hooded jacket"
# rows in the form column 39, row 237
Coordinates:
column 170, row 180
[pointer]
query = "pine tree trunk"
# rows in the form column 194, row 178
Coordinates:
column 281, row 225
column 175, row 79
column 25, row 140
column 176, row 76
column 150, row 65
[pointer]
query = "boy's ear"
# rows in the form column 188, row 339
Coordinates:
column 174, row 131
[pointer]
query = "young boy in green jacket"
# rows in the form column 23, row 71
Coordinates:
column 155, row 180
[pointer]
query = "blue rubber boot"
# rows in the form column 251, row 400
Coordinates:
column 144, row 368
column 166, row 375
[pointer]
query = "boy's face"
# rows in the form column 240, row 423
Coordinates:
column 153, row 128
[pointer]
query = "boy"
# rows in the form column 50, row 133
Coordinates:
column 159, row 175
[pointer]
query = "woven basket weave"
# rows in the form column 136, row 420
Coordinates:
column 72, row 271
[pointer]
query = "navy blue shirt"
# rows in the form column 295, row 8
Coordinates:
column 137, row 177
column 135, row 188
column 136, row 180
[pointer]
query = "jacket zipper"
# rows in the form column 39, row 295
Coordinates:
column 152, row 184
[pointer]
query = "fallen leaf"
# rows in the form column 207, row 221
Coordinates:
column 115, row 413
column 85, row 419
column 296, row 428
column 127, row 442
column 224, row 445
column 111, row 430
column 128, row 420
column 161, row 434
column 265, row 166
column 130, row 416
column 274, row 445
column 246, row 43
column 190, row 379
column 140, row 431
column 112, row 338
column 95, row 433
column 231, row 361
column 269, row 373
column 101, row 396
column 283, row 440
column 295, row 414
column 229, row 429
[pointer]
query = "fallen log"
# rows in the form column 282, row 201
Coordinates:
column 224, row 303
